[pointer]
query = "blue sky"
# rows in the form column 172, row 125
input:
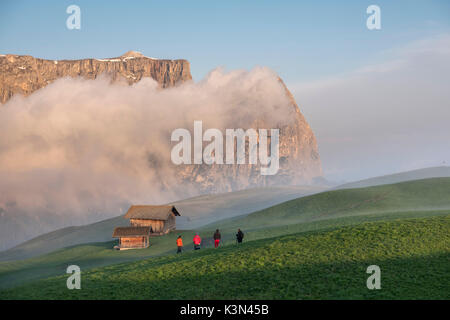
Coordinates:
column 300, row 40
column 395, row 120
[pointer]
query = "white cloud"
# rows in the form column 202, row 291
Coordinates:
column 79, row 150
column 385, row 117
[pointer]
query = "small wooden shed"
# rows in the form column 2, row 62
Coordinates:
column 132, row 237
column 161, row 219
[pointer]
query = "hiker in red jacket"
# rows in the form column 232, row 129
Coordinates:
column 197, row 241
column 217, row 237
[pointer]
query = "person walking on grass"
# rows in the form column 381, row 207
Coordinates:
column 197, row 241
column 239, row 236
column 217, row 238
column 179, row 244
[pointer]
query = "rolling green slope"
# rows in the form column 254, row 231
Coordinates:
column 200, row 210
column 324, row 211
column 426, row 195
column 413, row 254
column 425, row 173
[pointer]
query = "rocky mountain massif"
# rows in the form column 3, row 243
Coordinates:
column 299, row 157
column 299, row 160
column 26, row 74
column 298, row 154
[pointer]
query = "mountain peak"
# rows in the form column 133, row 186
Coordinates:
column 25, row 74
column 132, row 53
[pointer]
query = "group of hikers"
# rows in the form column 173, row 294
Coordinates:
column 217, row 238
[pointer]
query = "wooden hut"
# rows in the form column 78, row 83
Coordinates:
column 161, row 219
column 132, row 237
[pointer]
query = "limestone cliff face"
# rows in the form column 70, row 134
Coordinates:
column 26, row 74
column 299, row 157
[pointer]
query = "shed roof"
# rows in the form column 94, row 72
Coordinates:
column 151, row 212
column 131, row 232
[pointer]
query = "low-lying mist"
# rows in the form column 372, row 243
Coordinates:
column 81, row 150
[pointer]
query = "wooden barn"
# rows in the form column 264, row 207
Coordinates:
column 132, row 237
column 161, row 219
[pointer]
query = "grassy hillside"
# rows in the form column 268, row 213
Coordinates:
column 426, row 195
column 413, row 254
column 323, row 211
column 425, row 173
column 200, row 210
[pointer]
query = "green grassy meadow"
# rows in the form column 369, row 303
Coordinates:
column 326, row 236
column 413, row 254
column 196, row 212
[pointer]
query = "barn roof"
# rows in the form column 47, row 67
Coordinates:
column 151, row 212
column 131, row 231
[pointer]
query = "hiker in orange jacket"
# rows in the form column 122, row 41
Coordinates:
column 197, row 241
column 179, row 244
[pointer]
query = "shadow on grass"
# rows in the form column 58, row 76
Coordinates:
column 401, row 278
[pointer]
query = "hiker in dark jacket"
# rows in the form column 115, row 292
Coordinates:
column 239, row 236
column 217, row 237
